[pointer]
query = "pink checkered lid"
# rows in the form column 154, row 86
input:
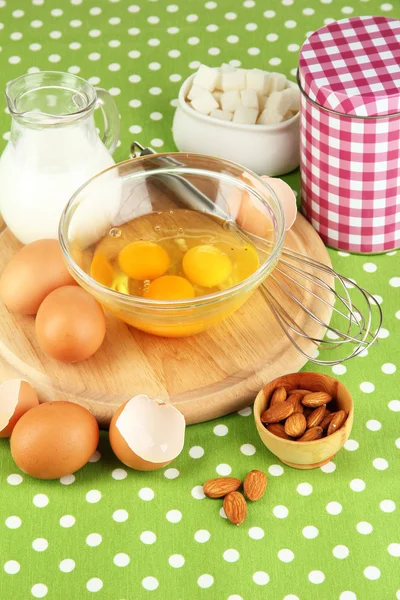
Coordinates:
column 352, row 66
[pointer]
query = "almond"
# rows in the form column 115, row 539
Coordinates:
column 254, row 485
column 311, row 434
column 316, row 399
column 316, row 417
column 279, row 395
column 277, row 412
column 235, row 507
column 221, row 486
column 337, row 421
column 278, row 430
column 296, row 399
column 295, row 425
column 327, row 419
column 301, row 392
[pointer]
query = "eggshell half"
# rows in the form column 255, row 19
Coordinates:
column 146, row 435
column 17, row 396
column 286, row 197
column 54, row 439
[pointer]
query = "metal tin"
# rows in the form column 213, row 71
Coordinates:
column 349, row 75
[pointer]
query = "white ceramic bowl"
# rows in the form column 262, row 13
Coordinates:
column 266, row 149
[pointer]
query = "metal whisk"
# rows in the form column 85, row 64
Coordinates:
column 301, row 292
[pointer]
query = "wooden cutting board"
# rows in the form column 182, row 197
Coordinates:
column 205, row 376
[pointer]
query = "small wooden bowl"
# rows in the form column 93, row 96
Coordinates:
column 306, row 455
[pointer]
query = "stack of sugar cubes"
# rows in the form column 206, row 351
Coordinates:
column 243, row 96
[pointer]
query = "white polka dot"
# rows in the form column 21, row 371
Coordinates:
column 153, row 42
column 35, row 47
column 280, row 512
column 373, row 425
column 174, row 516
column 304, row 489
column 14, row 60
column 245, row 412
column 205, row 581
column 254, row 51
column 135, row 129
column 274, row 61
column 387, row 506
column 251, row 26
column 56, row 12
column 95, row 11
column 214, row 51
column 94, row 585
column 291, row 597
column 173, row 30
column 67, row 565
column 256, row 533
column 334, row 508
column 293, row 47
column 14, row 479
column 339, row 369
column 261, row 578
column 192, row 18
column 196, row 452
column 330, row 467
column 388, row 368
column 114, row 67
column 134, row 78
column 67, row 521
column 121, row 559
column 220, row 430
column 135, row 103
column 193, row 41
column 308, row 11
column 370, row 267
column 275, row 470
column 223, row 469
column 114, row 43
column 247, row 449
column 75, row 45
column 347, row 10
column 94, row 539
column 36, row 23
column 367, row 387
column 357, row 485
column 39, row 590
column 397, row 442
column 154, row 66
column 40, row 544
column 398, row 314
column 222, row 513
column 230, row 16
column 157, row 143
column 155, row 91
column 290, row 24
column 75, row 23
column 380, row 463
column 153, row 20
column 316, row 577
column 249, row 3
column 150, row 583
column 364, row 527
column 212, row 28
column 378, row 298
column 393, row 405
column 269, row 14
column 386, row 6
column 210, row 5
column 16, row 35
column 94, row 80
column 231, row 555
column 310, row 532
column 11, row 567
column 172, row 8
column 202, row 535
column 119, row 474
column 372, row 573
column 171, row 473
column 198, row 493
column 394, row 282
column 340, row 551
column 67, row 479
column 114, row 91
column 120, row 515
column 351, row 445
column 394, row 550
column 74, row 70
column 347, row 595
column 93, row 496
column 285, row 555
column 134, row 31
column 134, row 8
column 17, row 14
column 94, row 33
column 232, row 39
column 54, row 58
column 363, row 354
column 383, row 333
column 176, row 561
column 148, row 537
column 40, row 500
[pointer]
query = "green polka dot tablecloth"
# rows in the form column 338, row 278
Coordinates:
column 111, row 533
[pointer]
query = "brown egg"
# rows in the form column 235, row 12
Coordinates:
column 33, row 272
column 147, row 435
column 70, row 324
column 17, row 396
column 54, row 439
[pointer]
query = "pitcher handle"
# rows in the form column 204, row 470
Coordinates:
column 111, row 119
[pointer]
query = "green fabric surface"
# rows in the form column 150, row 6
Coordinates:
column 115, row 534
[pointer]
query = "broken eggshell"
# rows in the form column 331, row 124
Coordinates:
column 146, row 434
column 17, row 396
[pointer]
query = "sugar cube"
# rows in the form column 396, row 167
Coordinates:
column 269, row 117
column 255, row 80
column 194, row 91
column 206, row 77
column 289, row 115
column 223, row 115
column 277, row 82
column 278, row 102
column 217, row 95
column 234, row 81
column 245, row 115
column 230, row 101
column 249, row 98
column 294, row 95
column 267, row 84
column 227, row 68
column 204, row 103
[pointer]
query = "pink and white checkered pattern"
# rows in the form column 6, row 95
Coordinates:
column 350, row 167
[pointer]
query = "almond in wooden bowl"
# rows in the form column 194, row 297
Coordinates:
column 303, row 454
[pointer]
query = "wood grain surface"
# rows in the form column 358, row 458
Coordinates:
column 205, row 376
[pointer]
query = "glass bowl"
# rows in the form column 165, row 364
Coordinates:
column 168, row 182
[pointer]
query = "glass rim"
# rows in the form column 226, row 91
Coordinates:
column 130, row 300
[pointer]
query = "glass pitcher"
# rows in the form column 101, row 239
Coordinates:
column 53, row 149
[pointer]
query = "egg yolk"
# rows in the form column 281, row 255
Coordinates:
column 206, row 265
column 101, row 270
column 170, row 287
column 144, row 260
